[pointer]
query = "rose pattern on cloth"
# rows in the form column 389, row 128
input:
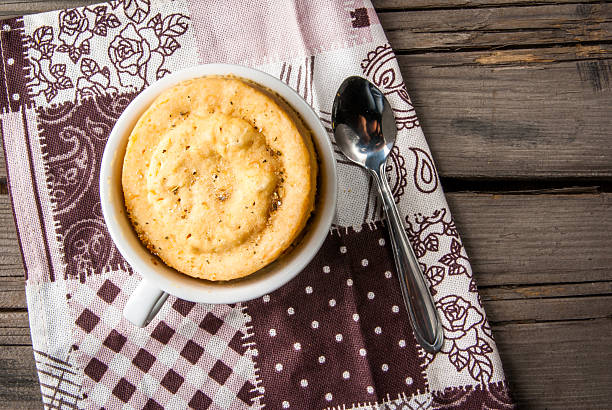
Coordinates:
column 47, row 78
column 452, row 259
column 436, row 243
column 139, row 54
column 464, row 345
column 425, row 233
column 75, row 29
column 62, row 59
column 135, row 10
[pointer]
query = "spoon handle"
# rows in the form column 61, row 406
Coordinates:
column 419, row 303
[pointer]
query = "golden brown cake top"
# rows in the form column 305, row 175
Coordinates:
column 219, row 177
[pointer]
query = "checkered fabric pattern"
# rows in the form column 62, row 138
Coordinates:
column 192, row 355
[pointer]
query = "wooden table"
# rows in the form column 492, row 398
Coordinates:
column 515, row 97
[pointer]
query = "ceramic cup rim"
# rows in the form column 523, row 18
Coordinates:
column 186, row 287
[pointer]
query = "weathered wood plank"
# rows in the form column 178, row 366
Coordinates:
column 496, row 27
column 535, row 239
column 12, row 293
column 11, row 263
column 511, row 240
column 558, row 365
column 14, row 329
column 19, row 383
column 537, row 113
column 545, row 291
column 554, row 309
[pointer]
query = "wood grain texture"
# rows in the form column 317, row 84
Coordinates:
column 12, row 293
column 496, row 27
column 11, row 262
column 553, row 309
column 14, row 329
column 562, row 365
column 499, row 293
column 533, row 113
column 18, row 381
column 533, row 239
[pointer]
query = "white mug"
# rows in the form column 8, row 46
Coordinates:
column 159, row 280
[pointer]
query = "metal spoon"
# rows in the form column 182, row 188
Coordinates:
column 365, row 131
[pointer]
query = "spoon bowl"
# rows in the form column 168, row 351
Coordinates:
column 363, row 122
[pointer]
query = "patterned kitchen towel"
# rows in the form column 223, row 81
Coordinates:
column 337, row 336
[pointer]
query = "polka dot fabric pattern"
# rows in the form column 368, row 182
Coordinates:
column 338, row 335
column 339, row 322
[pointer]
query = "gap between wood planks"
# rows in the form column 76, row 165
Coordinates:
column 383, row 6
column 508, row 48
column 563, row 186
column 498, row 28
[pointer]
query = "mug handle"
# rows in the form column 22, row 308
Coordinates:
column 144, row 303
